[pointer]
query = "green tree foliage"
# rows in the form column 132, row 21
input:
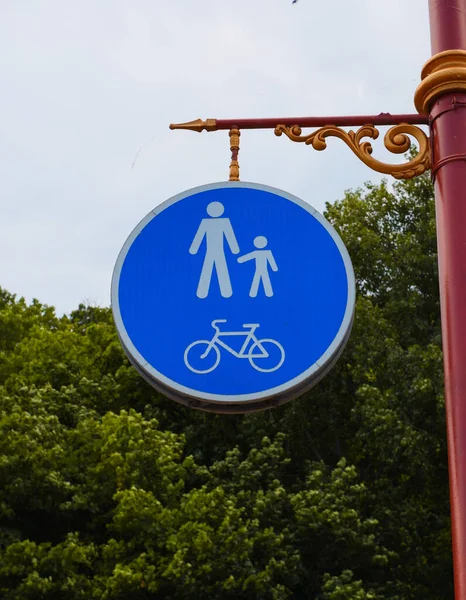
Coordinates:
column 110, row 491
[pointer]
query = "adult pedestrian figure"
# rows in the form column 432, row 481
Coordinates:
column 215, row 230
column 263, row 259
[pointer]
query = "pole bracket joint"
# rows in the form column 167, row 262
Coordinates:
column 442, row 74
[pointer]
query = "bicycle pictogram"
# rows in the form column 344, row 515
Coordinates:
column 203, row 356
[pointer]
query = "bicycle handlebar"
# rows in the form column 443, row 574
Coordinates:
column 252, row 326
column 215, row 321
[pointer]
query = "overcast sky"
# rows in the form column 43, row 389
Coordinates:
column 86, row 84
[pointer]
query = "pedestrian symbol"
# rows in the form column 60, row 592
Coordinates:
column 233, row 296
column 262, row 258
column 216, row 231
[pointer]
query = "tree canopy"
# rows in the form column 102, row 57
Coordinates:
column 110, row 491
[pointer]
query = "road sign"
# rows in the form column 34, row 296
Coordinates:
column 233, row 297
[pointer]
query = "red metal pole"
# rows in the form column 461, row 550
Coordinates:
column 448, row 133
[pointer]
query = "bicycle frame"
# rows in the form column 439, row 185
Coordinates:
column 250, row 336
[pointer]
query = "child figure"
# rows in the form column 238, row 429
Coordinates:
column 263, row 259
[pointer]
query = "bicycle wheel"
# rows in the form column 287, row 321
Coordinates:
column 200, row 357
column 271, row 355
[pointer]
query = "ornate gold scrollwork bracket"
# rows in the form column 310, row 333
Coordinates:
column 396, row 140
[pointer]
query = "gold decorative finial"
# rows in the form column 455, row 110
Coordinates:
column 234, row 147
column 197, row 125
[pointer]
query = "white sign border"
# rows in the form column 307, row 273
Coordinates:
column 285, row 391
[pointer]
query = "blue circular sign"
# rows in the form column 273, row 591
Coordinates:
column 233, row 297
